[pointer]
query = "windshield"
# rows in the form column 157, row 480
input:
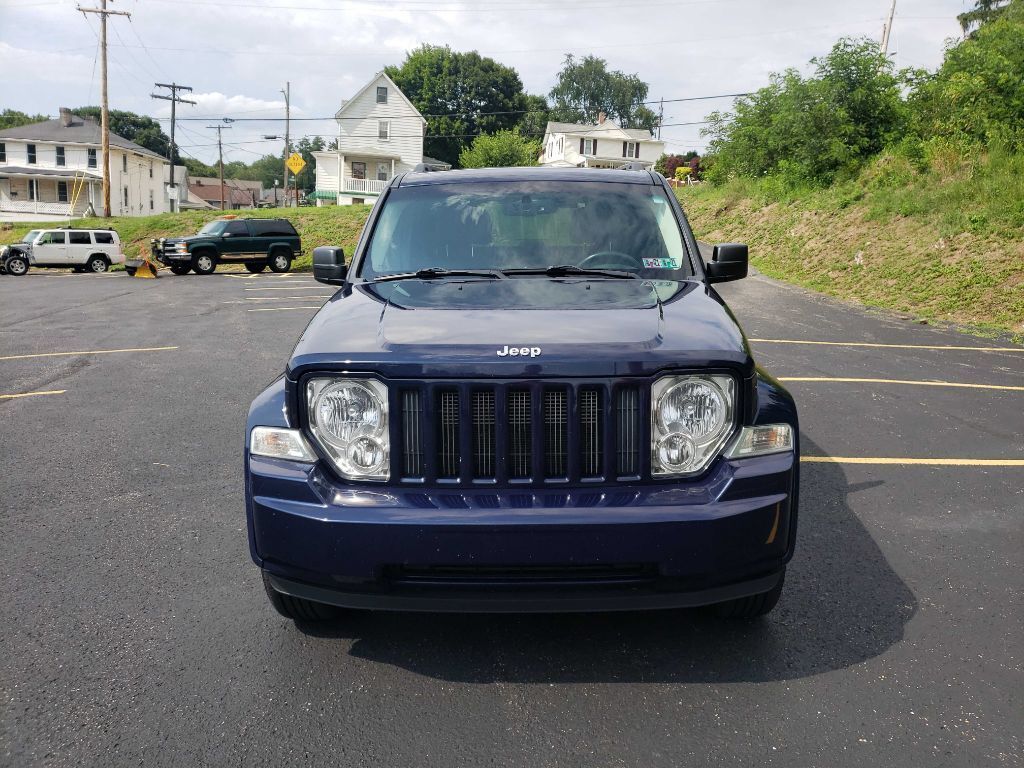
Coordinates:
column 527, row 226
column 213, row 228
column 30, row 236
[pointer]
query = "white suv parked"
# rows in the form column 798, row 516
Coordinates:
column 84, row 250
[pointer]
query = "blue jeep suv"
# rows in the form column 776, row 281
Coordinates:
column 526, row 395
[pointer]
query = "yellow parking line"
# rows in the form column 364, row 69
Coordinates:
column 280, row 309
column 886, row 346
column 926, row 462
column 34, row 394
column 902, row 381
column 87, row 352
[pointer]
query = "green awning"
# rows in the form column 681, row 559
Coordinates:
column 323, row 194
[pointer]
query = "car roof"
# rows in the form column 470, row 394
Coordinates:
column 423, row 178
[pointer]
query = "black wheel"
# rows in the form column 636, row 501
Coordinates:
column 16, row 265
column 298, row 608
column 753, row 606
column 130, row 271
column 204, row 263
column 280, row 261
column 255, row 266
column 97, row 263
column 180, row 268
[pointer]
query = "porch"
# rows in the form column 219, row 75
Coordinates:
column 340, row 176
column 27, row 192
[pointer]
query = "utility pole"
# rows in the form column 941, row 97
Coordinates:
column 661, row 116
column 887, row 29
column 220, row 159
column 175, row 100
column 287, row 128
column 102, row 12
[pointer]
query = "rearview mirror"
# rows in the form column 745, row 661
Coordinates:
column 329, row 265
column 728, row 262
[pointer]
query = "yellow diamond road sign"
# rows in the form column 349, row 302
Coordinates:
column 296, row 163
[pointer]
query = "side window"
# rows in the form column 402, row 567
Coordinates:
column 384, row 130
column 31, row 154
column 92, row 158
column 52, row 238
column 79, row 238
column 60, row 156
column 103, row 238
column 236, row 228
column 3, row 152
column 382, row 94
column 124, row 162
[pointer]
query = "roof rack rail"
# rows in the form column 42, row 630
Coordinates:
column 632, row 167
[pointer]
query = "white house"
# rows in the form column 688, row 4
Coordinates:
column 54, row 168
column 380, row 134
column 604, row 145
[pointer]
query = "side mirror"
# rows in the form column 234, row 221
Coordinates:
column 728, row 262
column 329, row 265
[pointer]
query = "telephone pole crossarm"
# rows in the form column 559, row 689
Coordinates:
column 175, row 99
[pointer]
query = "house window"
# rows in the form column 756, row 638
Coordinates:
column 33, row 189
column 358, row 170
column 383, row 171
column 60, row 156
column 382, row 94
column 151, row 169
column 62, row 191
column 126, row 197
column 588, row 147
column 151, row 195
column 124, row 164
column 32, row 155
column 3, row 152
column 384, row 130
column 92, row 158
column 631, row 149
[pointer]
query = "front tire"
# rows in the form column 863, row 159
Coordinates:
column 255, row 266
column 280, row 261
column 16, row 265
column 753, row 606
column 180, row 269
column 97, row 264
column 298, row 608
column 203, row 264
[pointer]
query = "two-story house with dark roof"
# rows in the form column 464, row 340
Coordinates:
column 55, row 168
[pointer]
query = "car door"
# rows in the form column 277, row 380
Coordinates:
column 50, row 248
column 236, row 242
column 79, row 246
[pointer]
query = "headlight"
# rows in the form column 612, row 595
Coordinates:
column 349, row 419
column 691, row 419
column 181, row 248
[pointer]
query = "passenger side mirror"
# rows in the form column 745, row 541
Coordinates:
column 728, row 262
column 329, row 265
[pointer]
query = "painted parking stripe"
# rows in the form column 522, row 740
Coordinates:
column 34, row 394
column 287, row 298
column 1019, row 350
column 910, row 461
column 87, row 352
column 316, row 287
column 280, row 309
column 908, row 382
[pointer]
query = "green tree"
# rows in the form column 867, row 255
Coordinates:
column 586, row 88
column 982, row 13
column 811, row 129
column 144, row 131
column 499, row 150
column 12, row 118
column 977, row 95
column 461, row 95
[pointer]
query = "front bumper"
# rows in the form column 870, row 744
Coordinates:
column 727, row 534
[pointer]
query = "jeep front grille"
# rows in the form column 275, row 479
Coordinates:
column 515, row 432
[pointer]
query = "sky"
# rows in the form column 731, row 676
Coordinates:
column 237, row 55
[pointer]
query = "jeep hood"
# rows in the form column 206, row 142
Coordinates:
column 448, row 328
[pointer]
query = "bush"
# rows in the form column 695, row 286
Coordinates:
column 502, row 149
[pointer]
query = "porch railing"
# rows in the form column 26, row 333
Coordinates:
column 369, row 186
column 38, row 206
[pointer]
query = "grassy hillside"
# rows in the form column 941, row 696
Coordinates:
column 335, row 225
column 943, row 243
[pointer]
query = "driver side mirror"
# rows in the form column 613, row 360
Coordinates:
column 329, row 265
column 728, row 262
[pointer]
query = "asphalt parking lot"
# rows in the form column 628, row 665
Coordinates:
column 134, row 629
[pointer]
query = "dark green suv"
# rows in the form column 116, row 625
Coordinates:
column 256, row 243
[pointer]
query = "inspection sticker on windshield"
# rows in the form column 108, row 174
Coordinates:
column 660, row 264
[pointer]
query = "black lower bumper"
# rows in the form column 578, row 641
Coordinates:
column 467, row 600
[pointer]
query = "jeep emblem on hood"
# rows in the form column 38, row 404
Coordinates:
column 508, row 351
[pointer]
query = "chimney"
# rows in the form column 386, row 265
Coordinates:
column 601, row 117
column 65, row 117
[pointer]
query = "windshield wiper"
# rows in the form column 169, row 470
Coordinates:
column 435, row 273
column 571, row 270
